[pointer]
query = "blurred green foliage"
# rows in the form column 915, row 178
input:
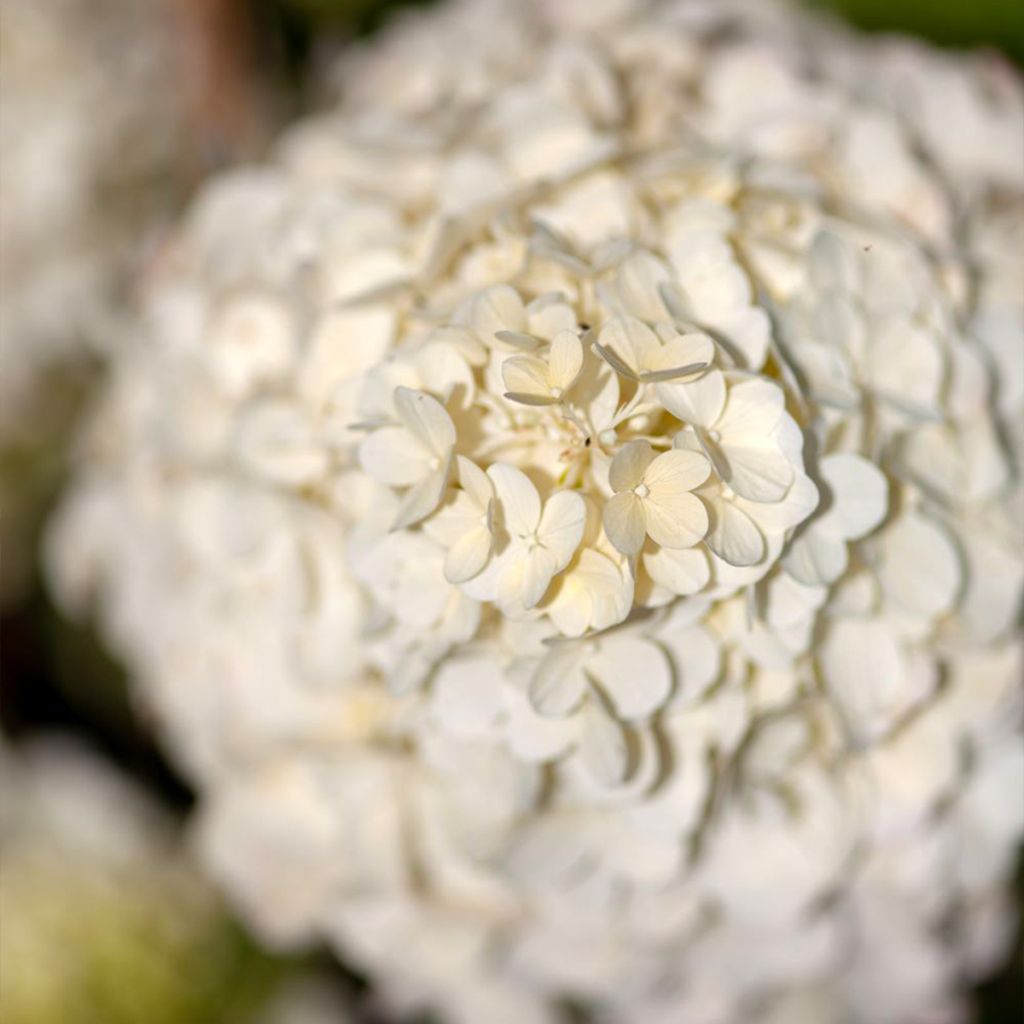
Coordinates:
column 996, row 23
column 964, row 23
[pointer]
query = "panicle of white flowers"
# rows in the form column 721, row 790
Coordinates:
column 560, row 513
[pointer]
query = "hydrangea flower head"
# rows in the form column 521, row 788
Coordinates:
column 596, row 580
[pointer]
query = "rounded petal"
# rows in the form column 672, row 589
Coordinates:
column 629, row 465
column 634, row 673
column 519, row 500
column 565, row 360
column 631, row 340
column 676, row 520
column 919, row 567
column 394, row 457
column 526, row 375
column 538, row 569
column 468, row 555
column 860, row 495
column 426, row 419
column 752, row 410
column 681, row 570
column 561, row 526
column 498, row 309
column 624, row 522
column 473, row 480
column 676, row 472
column 558, row 683
column 699, row 402
column 603, row 748
column 733, row 536
column 815, row 558
column 422, row 498
column 758, row 472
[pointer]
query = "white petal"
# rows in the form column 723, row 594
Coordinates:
column 637, row 281
column 759, row 472
column 466, row 695
column 538, row 569
column 699, row 402
column 519, row 500
column 561, row 526
column 426, row 419
column 676, row 521
column 558, row 683
column 603, row 747
column 422, row 498
column 860, row 495
column 683, row 350
column 676, row 472
column 919, row 566
column 468, row 555
column 473, row 480
column 865, row 672
column 752, row 409
column 498, row 309
column 394, row 457
column 629, row 464
column 566, row 360
column 733, row 536
column 634, row 673
column 631, row 340
column 681, row 570
column 525, row 375
column 624, row 522
column 816, row 558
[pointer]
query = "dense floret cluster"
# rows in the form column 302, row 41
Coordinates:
column 561, row 512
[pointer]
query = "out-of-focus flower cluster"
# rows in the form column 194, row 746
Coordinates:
column 96, row 889
column 560, row 513
column 87, row 132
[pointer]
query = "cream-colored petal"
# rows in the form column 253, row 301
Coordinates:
column 629, row 465
column 698, row 402
column 473, row 480
column 733, row 536
column 676, row 520
column 752, row 409
column 518, row 498
column 422, row 498
column 561, row 526
column 603, row 748
column 624, row 522
column 539, row 566
column 758, row 472
column 426, row 419
column 859, row 493
column 634, row 673
column 675, row 472
column 815, row 557
column 497, row 309
column 526, row 375
column 631, row 340
column 468, row 555
column 565, row 360
column 558, row 683
column 395, row 457
column 683, row 571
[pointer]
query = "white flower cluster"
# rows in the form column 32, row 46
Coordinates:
column 560, row 513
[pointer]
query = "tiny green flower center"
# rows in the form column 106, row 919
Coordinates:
column 641, row 490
